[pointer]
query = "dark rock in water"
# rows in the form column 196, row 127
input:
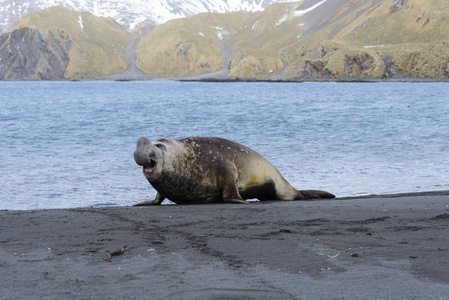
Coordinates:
column 27, row 53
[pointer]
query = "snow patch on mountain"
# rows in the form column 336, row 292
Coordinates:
column 80, row 21
column 220, row 31
column 299, row 13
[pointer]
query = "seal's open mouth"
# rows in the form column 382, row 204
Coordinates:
column 150, row 167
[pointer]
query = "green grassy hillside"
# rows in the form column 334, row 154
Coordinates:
column 193, row 46
column 186, row 47
column 97, row 44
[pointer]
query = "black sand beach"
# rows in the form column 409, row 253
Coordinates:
column 361, row 248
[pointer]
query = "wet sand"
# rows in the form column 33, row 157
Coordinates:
column 380, row 247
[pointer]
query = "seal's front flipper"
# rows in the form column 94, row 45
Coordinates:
column 230, row 192
column 157, row 201
column 313, row 194
column 235, row 201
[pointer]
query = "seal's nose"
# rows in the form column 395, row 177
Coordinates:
column 141, row 148
column 143, row 141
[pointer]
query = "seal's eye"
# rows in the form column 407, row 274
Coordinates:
column 160, row 146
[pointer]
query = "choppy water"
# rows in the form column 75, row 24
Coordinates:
column 70, row 144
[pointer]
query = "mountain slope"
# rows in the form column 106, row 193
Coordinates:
column 305, row 40
column 129, row 13
column 189, row 46
column 44, row 57
column 79, row 44
column 353, row 40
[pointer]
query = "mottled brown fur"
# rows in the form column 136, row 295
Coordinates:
column 212, row 170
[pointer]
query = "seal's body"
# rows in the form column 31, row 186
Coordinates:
column 212, row 170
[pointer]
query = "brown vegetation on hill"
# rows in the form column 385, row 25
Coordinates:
column 305, row 40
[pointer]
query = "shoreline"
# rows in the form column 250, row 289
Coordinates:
column 398, row 195
column 370, row 196
column 354, row 80
column 365, row 247
column 250, row 80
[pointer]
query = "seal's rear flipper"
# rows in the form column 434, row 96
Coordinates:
column 313, row 194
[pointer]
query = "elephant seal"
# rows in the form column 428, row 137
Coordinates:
column 198, row 170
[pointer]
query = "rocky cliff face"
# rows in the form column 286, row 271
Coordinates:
column 57, row 43
column 397, row 39
column 428, row 62
column 28, row 54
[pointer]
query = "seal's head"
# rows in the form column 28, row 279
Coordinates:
column 150, row 156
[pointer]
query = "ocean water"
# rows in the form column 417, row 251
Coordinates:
column 70, row 144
